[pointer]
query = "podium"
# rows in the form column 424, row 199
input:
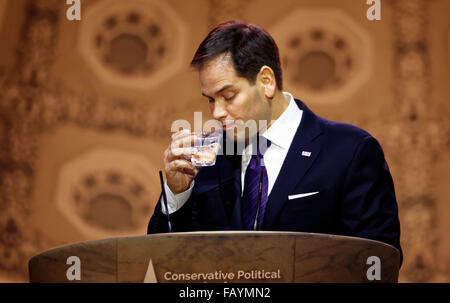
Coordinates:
column 215, row 257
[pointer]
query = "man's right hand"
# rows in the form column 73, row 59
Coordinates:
column 177, row 162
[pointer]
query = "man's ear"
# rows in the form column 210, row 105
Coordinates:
column 266, row 78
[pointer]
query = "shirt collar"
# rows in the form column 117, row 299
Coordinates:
column 279, row 133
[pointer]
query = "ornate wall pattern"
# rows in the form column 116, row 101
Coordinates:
column 417, row 134
column 222, row 11
column 326, row 57
column 33, row 102
column 136, row 44
column 105, row 192
column 19, row 105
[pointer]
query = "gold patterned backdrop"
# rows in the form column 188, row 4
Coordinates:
column 86, row 108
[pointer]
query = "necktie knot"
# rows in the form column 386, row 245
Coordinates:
column 262, row 145
column 257, row 159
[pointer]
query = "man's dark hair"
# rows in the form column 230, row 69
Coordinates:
column 250, row 46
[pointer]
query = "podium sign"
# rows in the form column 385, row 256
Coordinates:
column 231, row 256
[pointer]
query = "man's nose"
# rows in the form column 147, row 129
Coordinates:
column 219, row 111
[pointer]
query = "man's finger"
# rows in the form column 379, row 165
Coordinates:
column 181, row 133
column 178, row 153
column 184, row 141
column 183, row 166
column 184, row 152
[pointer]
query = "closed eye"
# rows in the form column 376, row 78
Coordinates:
column 229, row 98
column 210, row 99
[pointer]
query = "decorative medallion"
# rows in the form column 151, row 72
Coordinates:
column 107, row 192
column 135, row 44
column 325, row 55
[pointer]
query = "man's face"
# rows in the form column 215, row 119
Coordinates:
column 233, row 100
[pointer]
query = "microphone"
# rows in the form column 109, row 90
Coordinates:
column 165, row 201
column 255, row 225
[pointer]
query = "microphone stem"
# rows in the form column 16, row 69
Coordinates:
column 169, row 224
column 255, row 225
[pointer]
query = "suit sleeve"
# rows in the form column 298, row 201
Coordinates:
column 369, row 207
column 181, row 220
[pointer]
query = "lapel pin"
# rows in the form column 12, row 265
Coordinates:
column 306, row 153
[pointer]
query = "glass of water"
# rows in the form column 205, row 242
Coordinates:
column 206, row 147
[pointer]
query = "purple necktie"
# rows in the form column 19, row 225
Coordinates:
column 255, row 187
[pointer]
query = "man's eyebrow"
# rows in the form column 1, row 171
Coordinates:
column 220, row 90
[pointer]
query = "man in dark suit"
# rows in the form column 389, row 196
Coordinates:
column 312, row 175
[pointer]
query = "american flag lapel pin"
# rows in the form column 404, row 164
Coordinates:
column 306, row 153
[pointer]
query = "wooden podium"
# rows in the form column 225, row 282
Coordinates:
column 237, row 256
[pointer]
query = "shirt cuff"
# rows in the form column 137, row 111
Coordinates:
column 175, row 202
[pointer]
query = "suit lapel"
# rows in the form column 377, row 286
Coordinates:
column 236, row 217
column 295, row 164
column 231, row 167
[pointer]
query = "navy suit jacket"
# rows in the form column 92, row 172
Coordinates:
column 346, row 166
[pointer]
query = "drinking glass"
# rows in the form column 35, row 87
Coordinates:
column 206, row 147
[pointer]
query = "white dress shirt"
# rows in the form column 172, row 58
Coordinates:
column 280, row 133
